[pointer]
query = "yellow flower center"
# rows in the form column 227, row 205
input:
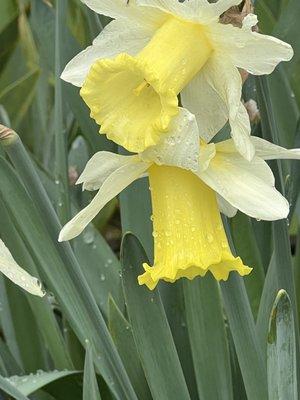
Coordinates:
column 135, row 98
column 189, row 237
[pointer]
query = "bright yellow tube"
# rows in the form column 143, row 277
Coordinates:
column 189, row 237
column 135, row 98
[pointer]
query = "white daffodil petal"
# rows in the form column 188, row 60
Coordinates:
column 196, row 4
column 225, row 207
column 114, row 8
column 128, row 9
column 247, row 186
column 171, row 7
column 256, row 53
column 110, row 188
column 101, row 166
column 226, row 146
column 240, row 132
column 18, row 275
column 223, row 5
column 231, row 158
column 203, row 99
column 180, row 147
column 214, row 96
column 207, row 153
column 270, row 151
column 120, row 36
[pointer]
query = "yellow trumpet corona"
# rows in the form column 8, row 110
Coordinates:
column 189, row 236
column 135, row 98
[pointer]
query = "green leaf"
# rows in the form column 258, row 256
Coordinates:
column 121, row 332
column 64, row 277
column 247, row 248
column 287, row 27
column 247, row 347
column 282, row 371
column 150, row 327
column 208, row 339
column 41, row 308
column 9, row 365
column 28, row 384
column 43, row 26
column 173, row 301
column 27, row 336
column 266, row 18
column 90, row 385
column 8, row 12
column 281, row 241
column 60, row 133
column 135, row 204
column 270, row 290
column 8, row 388
column 285, row 107
column 8, row 42
column 18, row 96
column 101, row 268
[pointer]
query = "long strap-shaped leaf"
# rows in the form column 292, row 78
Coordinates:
column 150, row 327
column 9, row 388
column 282, row 374
column 59, row 266
column 209, row 345
column 281, row 242
column 90, row 385
column 121, row 332
column 242, row 327
column 41, row 308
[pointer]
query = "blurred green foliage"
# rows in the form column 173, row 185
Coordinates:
column 97, row 334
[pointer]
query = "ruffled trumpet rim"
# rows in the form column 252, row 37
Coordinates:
column 220, row 269
column 134, row 137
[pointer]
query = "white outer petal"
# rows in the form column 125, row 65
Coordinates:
column 225, row 207
column 167, row 6
column 119, row 36
column 111, row 187
column 223, row 5
column 241, row 131
column 214, row 96
column 207, row 153
column 101, row 166
column 124, row 9
column 180, row 147
column 247, row 186
column 111, row 8
column 16, row 274
column 189, row 10
column 270, row 151
column 256, row 53
column 203, row 100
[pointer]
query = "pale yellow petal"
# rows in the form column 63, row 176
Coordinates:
column 111, row 187
column 256, row 53
column 18, row 275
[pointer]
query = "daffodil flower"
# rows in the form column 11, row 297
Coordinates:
column 10, row 268
column 155, row 50
column 189, row 184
